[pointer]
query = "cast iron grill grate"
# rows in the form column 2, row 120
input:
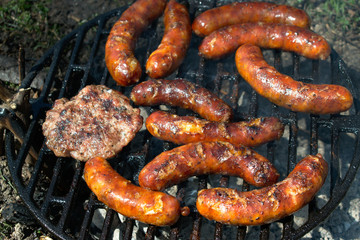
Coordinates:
column 59, row 198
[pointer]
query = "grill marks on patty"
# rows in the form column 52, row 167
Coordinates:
column 98, row 121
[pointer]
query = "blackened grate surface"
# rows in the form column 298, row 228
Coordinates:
column 59, row 198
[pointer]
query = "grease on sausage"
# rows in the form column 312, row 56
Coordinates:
column 184, row 94
column 268, row 204
column 119, row 56
column 152, row 207
column 284, row 91
column 241, row 12
column 174, row 44
column 266, row 35
column 188, row 129
column 176, row 165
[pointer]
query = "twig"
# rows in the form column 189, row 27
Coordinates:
column 5, row 93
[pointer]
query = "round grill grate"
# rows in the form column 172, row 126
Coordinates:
column 59, row 198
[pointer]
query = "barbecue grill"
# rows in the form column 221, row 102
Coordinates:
column 59, row 198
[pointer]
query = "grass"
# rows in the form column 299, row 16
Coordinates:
column 343, row 15
column 20, row 19
column 26, row 22
column 5, row 230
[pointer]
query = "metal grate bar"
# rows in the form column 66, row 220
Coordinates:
column 50, row 76
column 315, row 70
column 129, row 228
column 334, row 161
column 104, row 77
column 195, row 233
column 224, row 180
column 36, row 173
column 241, row 232
column 24, row 149
column 71, row 195
column 175, row 229
column 264, row 232
column 288, row 227
column 78, row 43
column 90, row 207
column 196, row 228
column 150, row 232
column 93, row 51
column 105, row 233
column 313, row 209
column 334, row 69
column 54, row 178
column 296, row 66
column 314, row 134
column 313, row 151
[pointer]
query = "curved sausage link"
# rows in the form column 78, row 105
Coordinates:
column 284, row 91
column 188, row 129
column 265, row 205
column 178, row 164
column 266, row 35
column 184, row 94
column 174, row 44
column 156, row 208
column 119, row 57
column 241, row 12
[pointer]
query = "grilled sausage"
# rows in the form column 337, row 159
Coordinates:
column 156, row 208
column 266, row 35
column 241, row 12
column 119, row 57
column 178, row 164
column 285, row 91
column 174, row 44
column 268, row 204
column 188, row 129
column 182, row 93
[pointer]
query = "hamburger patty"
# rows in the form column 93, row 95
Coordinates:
column 98, row 122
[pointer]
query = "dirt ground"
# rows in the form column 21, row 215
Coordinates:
column 68, row 15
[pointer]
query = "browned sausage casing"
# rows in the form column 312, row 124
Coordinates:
column 241, row 12
column 266, row 35
column 178, row 164
column 266, row 205
column 156, row 208
column 119, row 57
column 174, row 44
column 188, row 129
column 184, row 94
column 285, row 91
